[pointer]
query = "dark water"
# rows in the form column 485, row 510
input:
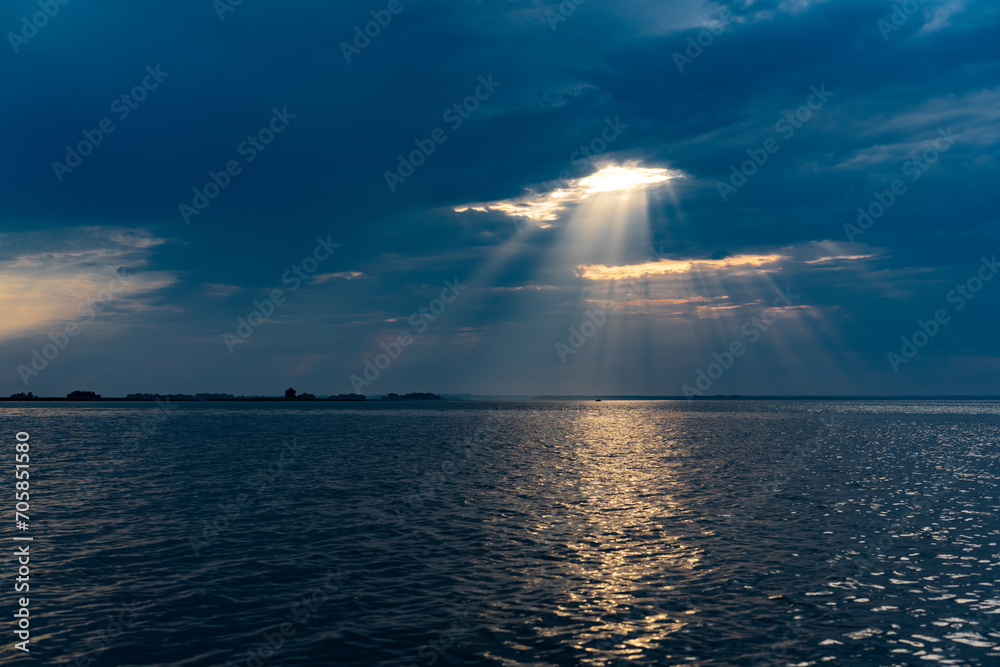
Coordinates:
column 565, row 533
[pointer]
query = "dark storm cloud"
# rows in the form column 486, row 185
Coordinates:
column 560, row 76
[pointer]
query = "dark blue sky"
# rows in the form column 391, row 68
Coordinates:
column 843, row 104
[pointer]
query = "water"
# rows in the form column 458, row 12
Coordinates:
column 564, row 533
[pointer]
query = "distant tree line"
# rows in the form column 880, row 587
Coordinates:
column 290, row 395
column 77, row 395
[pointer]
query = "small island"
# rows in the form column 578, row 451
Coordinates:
column 83, row 396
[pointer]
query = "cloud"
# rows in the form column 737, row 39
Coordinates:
column 664, row 266
column 339, row 275
column 837, row 258
column 544, row 207
column 325, row 175
column 220, row 290
column 941, row 16
column 47, row 278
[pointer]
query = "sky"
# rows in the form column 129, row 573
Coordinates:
column 500, row 197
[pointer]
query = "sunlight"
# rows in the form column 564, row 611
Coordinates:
column 602, row 272
column 592, row 238
column 614, row 178
column 547, row 207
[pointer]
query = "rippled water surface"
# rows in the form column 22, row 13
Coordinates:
column 562, row 533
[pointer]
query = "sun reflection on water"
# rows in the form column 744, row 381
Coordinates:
column 607, row 533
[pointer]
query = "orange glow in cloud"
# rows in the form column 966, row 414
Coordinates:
column 547, row 207
column 42, row 290
column 665, row 266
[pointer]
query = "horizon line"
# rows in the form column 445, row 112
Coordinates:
column 353, row 397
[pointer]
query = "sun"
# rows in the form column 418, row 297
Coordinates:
column 546, row 206
column 613, row 178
